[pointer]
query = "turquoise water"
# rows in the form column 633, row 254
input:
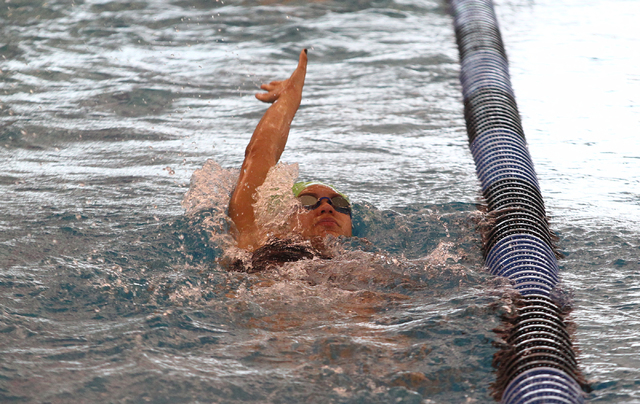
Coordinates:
column 111, row 293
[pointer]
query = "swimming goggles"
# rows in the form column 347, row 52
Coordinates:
column 339, row 203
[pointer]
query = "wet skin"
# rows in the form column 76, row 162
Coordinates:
column 324, row 220
column 263, row 152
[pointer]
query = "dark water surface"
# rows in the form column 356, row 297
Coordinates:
column 109, row 292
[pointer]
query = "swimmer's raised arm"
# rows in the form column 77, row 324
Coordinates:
column 263, row 152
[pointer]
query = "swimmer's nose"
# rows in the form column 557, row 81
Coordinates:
column 325, row 206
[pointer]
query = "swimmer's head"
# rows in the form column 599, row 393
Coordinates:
column 326, row 210
column 298, row 187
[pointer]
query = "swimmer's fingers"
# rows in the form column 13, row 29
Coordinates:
column 274, row 89
column 301, row 70
column 271, row 86
column 267, row 97
column 295, row 82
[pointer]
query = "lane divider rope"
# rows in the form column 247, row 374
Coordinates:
column 537, row 363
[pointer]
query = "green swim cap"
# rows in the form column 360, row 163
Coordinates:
column 298, row 187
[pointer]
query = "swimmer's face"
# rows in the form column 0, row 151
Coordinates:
column 324, row 219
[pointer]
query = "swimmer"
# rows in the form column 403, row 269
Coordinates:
column 325, row 210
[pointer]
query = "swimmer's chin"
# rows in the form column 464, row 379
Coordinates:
column 324, row 231
column 318, row 232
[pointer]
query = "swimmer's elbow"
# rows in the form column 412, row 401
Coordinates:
column 257, row 156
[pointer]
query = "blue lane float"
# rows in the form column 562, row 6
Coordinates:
column 537, row 363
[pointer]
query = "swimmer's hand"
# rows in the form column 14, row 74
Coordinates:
column 291, row 85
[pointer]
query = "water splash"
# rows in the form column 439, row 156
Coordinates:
column 275, row 202
column 210, row 189
column 206, row 204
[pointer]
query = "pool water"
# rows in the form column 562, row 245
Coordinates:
column 113, row 280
